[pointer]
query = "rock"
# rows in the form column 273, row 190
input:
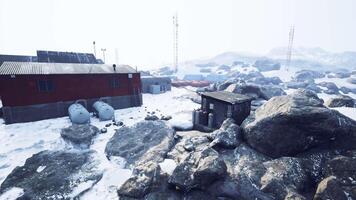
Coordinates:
column 151, row 117
column 284, row 177
column 266, row 80
column 296, row 85
column 313, row 87
column 198, row 170
column 331, row 87
column 303, row 75
column 80, row 134
column 108, row 125
column 343, row 168
column 141, row 182
column 188, row 141
column 145, row 141
column 103, row 130
column 166, row 118
column 118, row 123
column 345, row 90
column 340, row 101
column 228, row 136
column 255, row 91
column 54, row 175
column 331, row 189
column 351, row 80
column 308, row 121
column 267, row 65
column 342, row 74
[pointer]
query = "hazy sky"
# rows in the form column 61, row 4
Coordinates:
column 142, row 29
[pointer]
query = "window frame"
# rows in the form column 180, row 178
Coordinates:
column 45, row 85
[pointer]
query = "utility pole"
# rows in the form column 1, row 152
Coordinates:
column 94, row 49
column 175, row 42
column 290, row 47
column 103, row 50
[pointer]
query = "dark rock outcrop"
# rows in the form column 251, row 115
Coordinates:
column 80, row 134
column 145, row 141
column 340, row 101
column 53, row 175
column 330, row 188
column 198, row 170
column 351, row 80
column 287, row 125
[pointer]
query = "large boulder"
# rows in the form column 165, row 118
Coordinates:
column 291, row 124
column 228, row 136
column 286, row 176
column 266, row 80
column 80, row 134
column 54, row 175
column 340, row 101
column 256, row 91
column 331, row 88
column 267, row 65
column 145, row 141
column 198, row 170
column 304, row 75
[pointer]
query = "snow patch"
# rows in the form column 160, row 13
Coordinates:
column 168, row 166
column 40, row 169
column 13, row 193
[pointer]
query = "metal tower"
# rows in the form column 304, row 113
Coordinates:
column 290, row 47
column 175, row 42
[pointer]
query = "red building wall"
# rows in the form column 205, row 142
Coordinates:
column 23, row 89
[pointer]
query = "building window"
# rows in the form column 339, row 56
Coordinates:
column 45, row 86
column 130, row 75
column 211, row 106
column 204, row 103
column 114, row 83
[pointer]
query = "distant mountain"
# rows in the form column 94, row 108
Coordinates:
column 316, row 57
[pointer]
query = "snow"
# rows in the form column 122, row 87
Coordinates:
column 283, row 74
column 40, row 169
column 168, row 165
column 11, row 194
column 349, row 112
column 20, row 141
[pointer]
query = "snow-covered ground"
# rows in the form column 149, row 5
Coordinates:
column 19, row 141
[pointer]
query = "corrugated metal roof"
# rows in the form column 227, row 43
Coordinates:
column 227, row 96
column 9, row 68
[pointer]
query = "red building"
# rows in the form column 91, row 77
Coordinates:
column 34, row 91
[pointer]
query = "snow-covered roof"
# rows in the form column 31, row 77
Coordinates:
column 15, row 68
column 228, row 97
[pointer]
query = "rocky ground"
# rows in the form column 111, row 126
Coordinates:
column 294, row 145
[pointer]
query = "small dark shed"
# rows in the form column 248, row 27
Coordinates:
column 222, row 105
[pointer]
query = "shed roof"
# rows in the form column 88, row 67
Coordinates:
column 228, row 97
column 17, row 68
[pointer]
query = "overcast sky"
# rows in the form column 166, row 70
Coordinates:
column 142, row 30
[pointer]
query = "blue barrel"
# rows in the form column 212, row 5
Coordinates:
column 78, row 114
column 104, row 111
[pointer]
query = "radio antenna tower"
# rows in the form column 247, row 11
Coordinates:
column 290, row 47
column 175, row 43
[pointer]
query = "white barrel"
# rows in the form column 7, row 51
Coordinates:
column 78, row 114
column 104, row 111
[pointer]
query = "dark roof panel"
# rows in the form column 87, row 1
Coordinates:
column 228, row 97
column 17, row 68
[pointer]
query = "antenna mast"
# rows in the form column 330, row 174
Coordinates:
column 175, row 43
column 290, row 47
